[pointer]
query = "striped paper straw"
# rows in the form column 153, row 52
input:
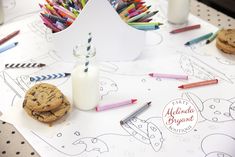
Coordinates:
column 48, row 77
column 25, row 65
column 88, row 49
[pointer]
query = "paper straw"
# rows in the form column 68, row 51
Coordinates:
column 48, row 77
column 88, row 49
column 25, row 65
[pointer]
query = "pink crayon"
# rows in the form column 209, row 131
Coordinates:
column 172, row 76
column 115, row 105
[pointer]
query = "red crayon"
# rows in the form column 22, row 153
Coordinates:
column 197, row 84
column 184, row 29
column 8, row 37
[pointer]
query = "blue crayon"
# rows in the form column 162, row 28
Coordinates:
column 8, row 46
column 146, row 27
column 196, row 40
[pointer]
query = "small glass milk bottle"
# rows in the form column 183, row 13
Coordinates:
column 85, row 78
column 178, row 11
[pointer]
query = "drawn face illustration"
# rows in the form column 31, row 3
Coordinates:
column 215, row 149
column 145, row 132
column 218, row 154
column 214, row 109
column 232, row 110
column 107, row 86
column 200, row 69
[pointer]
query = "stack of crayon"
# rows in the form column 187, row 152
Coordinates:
column 59, row 14
column 136, row 14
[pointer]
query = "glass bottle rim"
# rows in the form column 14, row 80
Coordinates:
column 81, row 51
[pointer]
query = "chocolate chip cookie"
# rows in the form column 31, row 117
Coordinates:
column 52, row 115
column 43, row 97
column 225, row 41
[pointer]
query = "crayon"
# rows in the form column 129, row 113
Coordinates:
column 172, row 76
column 9, row 36
column 184, row 29
column 198, row 84
column 210, row 39
column 135, row 113
column 115, row 105
column 196, row 40
column 8, row 46
column 135, row 18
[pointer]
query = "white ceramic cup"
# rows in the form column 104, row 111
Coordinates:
column 178, row 11
column 1, row 12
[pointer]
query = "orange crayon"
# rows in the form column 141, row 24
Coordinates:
column 198, row 84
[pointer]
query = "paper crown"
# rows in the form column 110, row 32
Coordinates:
column 114, row 39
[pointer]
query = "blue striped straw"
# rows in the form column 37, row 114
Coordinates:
column 48, row 77
column 88, row 49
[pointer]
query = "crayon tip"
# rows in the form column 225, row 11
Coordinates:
column 156, row 27
column 180, row 86
column 208, row 41
column 155, row 12
column 96, row 108
column 16, row 43
column 40, row 5
column 151, row 74
column 149, row 103
column 133, row 101
column 18, row 31
column 187, row 44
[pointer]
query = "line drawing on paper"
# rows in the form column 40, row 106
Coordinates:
column 41, row 30
column 12, row 84
column 107, row 86
column 156, row 39
column 225, row 61
column 21, row 83
column 145, row 132
column 211, row 145
column 77, row 145
column 194, row 47
column 201, row 70
column 140, row 131
column 216, row 110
